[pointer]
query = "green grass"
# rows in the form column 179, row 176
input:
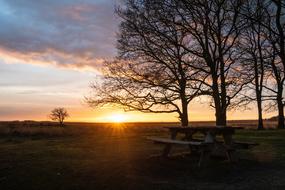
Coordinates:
column 105, row 157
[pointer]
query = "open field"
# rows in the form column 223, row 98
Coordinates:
column 118, row 156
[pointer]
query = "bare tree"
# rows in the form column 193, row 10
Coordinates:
column 214, row 28
column 256, row 54
column 276, row 87
column 59, row 114
column 151, row 73
column 269, row 16
column 274, row 24
column 277, row 37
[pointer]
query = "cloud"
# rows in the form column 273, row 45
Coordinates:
column 66, row 33
column 52, row 57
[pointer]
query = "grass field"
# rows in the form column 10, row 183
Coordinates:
column 118, row 156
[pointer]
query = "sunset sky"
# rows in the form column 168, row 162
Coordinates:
column 50, row 52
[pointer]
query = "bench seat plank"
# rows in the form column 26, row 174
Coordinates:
column 247, row 143
column 172, row 141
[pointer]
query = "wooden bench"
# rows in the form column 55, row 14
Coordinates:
column 198, row 145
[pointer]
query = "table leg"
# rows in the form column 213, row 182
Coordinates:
column 167, row 147
column 230, row 150
column 205, row 155
column 189, row 137
column 210, row 137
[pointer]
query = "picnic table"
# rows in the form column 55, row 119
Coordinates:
column 208, row 143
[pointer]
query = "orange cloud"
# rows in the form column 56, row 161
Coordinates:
column 52, row 57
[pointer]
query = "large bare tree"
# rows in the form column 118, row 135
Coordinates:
column 255, row 54
column 264, row 44
column 274, row 24
column 214, row 28
column 276, row 30
column 151, row 72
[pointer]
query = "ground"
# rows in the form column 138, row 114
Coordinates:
column 105, row 156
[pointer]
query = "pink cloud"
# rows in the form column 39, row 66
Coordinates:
column 62, row 33
column 52, row 57
column 78, row 12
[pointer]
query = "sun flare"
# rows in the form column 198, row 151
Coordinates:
column 118, row 118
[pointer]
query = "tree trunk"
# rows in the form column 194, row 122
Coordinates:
column 260, row 119
column 258, row 92
column 259, row 70
column 280, row 111
column 221, row 118
column 184, row 114
column 223, row 96
column 184, row 119
column 221, row 114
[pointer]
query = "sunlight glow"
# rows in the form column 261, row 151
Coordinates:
column 118, row 118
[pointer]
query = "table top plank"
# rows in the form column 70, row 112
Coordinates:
column 204, row 129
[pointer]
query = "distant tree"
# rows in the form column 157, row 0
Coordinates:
column 59, row 114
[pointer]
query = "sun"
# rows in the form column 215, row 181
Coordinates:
column 118, row 118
